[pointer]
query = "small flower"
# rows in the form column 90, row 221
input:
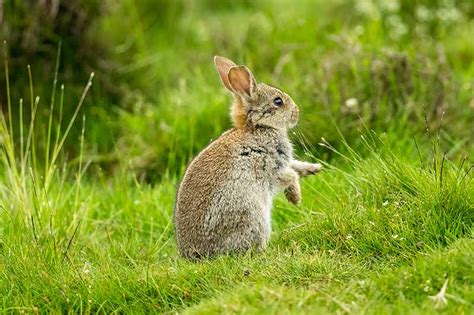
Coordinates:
column 352, row 102
column 87, row 268
column 385, row 203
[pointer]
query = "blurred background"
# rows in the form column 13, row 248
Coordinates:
column 401, row 68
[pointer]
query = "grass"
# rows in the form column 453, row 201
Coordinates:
column 388, row 223
column 375, row 234
column 322, row 54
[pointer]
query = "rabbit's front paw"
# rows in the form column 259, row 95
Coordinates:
column 313, row 168
column 305, row 168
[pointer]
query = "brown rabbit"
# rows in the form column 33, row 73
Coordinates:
column 224, row 201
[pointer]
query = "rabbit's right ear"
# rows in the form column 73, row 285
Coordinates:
column 223, row 66
column 242, row 81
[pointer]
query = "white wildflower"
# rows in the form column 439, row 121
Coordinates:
column 87, row 268
column 439, row 299
column 352, row 102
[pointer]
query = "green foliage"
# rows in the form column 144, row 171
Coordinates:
column 356, row 66
column 33, row 31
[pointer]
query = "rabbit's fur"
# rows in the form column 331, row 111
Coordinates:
column 224, row 201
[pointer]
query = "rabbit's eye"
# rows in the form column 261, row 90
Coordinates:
column 277, row 101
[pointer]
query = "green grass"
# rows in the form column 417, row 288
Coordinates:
column 322, row 54
column 379, row 233
column 380, row 230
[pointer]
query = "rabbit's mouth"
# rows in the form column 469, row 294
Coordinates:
column 295, row 113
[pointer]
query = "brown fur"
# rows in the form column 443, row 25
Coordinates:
column 224, row 201
column 238, row 114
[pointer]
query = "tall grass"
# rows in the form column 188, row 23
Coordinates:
column 30, row 192
column 398, row 199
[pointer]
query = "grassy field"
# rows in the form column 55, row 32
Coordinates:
column 87, row 180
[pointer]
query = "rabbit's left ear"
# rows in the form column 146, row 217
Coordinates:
column 223, row 66
column 242, row 81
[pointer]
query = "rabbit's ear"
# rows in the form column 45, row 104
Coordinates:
column 242, row 81
column 223, row 66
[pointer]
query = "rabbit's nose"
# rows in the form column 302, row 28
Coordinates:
column 295, row 113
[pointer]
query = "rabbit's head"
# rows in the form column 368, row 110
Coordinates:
column 256, row 104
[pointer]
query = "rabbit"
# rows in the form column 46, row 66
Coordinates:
column 224, row 201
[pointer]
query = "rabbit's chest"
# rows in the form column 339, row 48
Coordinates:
column 283, row 154
column 264, row 161
column 278, row 157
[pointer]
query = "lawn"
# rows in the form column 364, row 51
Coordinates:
column 89, row 169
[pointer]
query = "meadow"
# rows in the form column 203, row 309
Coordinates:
column 99, row 121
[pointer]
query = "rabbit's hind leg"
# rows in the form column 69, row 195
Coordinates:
column 241, row 241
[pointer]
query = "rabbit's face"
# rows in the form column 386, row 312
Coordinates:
column 256, row 104
column 271, row 107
